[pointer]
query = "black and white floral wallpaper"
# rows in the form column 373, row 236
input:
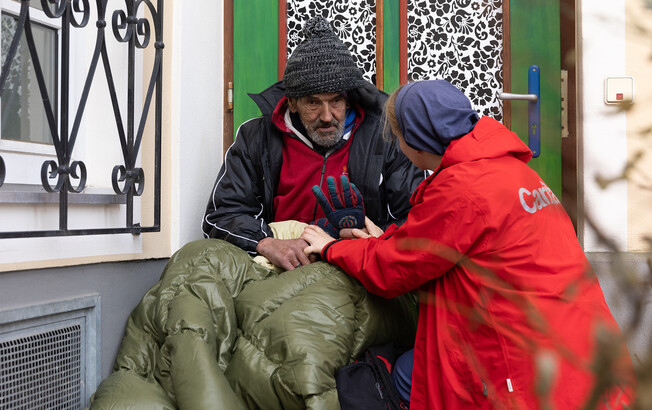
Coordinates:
column 456, row 40
column 459, row 41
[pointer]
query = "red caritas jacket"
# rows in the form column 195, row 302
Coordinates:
column 510, row 309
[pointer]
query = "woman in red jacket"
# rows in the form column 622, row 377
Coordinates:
column 510, row 309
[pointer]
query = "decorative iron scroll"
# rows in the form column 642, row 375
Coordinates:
column 68, row 177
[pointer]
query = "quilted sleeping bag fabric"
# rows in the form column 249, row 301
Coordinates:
column 219, row 331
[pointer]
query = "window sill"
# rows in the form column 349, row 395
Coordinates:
column 35, row 194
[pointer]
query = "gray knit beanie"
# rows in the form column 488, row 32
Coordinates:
column 320, row 64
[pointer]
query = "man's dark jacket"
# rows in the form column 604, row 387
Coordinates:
column 241, row 203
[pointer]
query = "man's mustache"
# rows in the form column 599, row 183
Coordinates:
column 322, row 124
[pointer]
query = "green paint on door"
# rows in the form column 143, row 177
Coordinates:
column 255, row 54
column 534, row 38
column 391, row 80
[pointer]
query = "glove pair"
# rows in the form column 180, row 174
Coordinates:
column 343, row 207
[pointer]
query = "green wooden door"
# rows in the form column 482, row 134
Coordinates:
column 535, row 40
column 255, row 54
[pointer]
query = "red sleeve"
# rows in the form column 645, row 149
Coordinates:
column 389, row 231
column 438, row 232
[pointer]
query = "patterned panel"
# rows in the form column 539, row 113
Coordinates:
column 353, row 21
column 459, row 41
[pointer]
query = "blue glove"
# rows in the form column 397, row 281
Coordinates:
column 344, row 206
column 327, row 227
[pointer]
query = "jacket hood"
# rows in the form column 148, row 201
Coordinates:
column 489, row 139
column 268, row 99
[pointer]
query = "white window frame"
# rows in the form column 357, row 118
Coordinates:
column 10, row 148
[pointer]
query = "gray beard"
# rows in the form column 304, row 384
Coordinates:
column 326, row 141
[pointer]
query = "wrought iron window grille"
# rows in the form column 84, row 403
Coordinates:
column 65, row 176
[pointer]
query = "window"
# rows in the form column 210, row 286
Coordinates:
column 24, row 127
column 84, row 200
column 23, row 115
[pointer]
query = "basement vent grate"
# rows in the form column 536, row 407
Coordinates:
column 42, row 371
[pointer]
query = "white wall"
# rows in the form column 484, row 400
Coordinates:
column 603, row 151
column 607, row 32
column 197, row 91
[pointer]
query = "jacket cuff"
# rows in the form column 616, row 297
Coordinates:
column 389, row 231
column 327, row 247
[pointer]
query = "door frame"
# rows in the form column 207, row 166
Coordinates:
column 570, row 145
column 227, row 128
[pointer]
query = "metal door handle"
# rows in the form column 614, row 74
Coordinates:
column 510, row 96
column 534, row 109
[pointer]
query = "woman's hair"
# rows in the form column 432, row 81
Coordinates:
column 390, row 116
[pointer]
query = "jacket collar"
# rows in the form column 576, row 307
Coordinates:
column 489, row 139
column 281, row 120
column 269, row 98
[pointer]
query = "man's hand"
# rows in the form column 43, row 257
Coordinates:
column 284, row 253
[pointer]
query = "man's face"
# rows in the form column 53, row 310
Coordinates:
column 323, row 115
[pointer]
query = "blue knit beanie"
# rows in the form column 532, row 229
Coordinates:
column 430, row 114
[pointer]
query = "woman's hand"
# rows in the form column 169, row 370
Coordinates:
column 317, row 239
column 370, row 230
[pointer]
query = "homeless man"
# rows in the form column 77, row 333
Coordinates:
column 323, row 120
column 221, row 331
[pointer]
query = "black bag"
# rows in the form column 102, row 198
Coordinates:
column 366, row 384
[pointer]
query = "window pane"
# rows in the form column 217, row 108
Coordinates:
column 37, row 5
column 23, row 114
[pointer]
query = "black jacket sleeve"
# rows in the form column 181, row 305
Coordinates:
column 237, row 208
column 400, row 179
